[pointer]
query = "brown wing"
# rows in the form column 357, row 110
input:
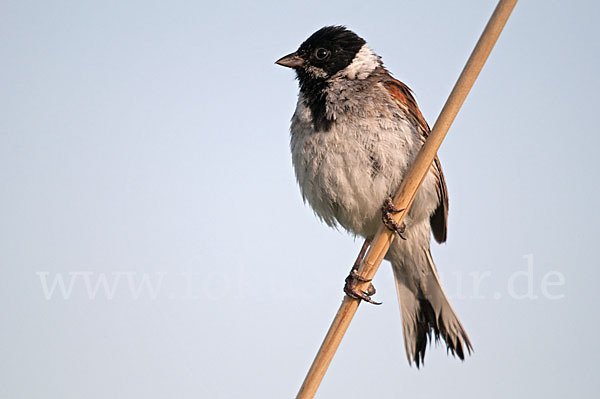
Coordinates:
column 405, row 100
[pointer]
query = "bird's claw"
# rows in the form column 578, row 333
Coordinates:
column 355, row 276
column 387, row 210
column 351, row 290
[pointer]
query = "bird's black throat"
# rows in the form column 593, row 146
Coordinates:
column 340, row 46
column 315, row 95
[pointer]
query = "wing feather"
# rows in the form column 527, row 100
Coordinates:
column 402, row 95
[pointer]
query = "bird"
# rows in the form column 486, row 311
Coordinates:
column 354, row 134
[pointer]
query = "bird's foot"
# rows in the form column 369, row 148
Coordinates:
column 350, row 288
column 353, row 279
column 387, row 210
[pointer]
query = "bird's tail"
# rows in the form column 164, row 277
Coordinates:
column 426, row 312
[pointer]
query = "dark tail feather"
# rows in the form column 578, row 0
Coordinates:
column 429, row 315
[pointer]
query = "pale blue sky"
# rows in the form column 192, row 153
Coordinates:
column 149, row 140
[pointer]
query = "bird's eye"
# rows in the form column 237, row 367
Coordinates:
column 321, row 53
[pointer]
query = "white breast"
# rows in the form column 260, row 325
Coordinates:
column 346, row 173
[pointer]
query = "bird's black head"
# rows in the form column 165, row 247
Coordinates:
column 323, row 54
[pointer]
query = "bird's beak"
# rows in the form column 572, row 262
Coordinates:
column 291, row 61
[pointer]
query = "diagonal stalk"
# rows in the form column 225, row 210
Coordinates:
column 406, row 193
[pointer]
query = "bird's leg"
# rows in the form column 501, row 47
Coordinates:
column 354, row 278
column 387, row 210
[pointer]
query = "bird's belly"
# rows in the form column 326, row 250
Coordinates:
column 345, row 174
